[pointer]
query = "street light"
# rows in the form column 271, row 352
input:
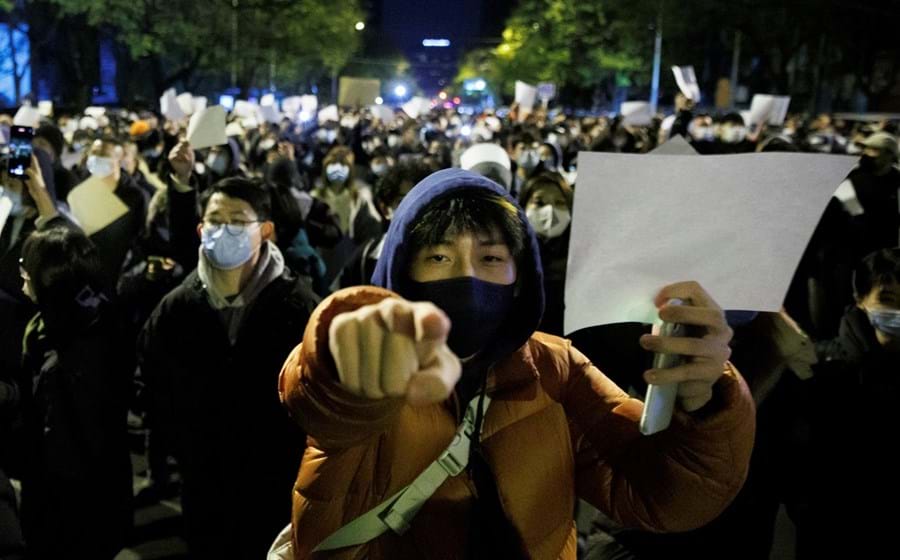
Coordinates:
column 400, row 90
column 379, row 101
column 360, row 25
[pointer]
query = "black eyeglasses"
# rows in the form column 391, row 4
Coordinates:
column 233, row 228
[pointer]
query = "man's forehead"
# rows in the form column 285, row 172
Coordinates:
column 224, row 203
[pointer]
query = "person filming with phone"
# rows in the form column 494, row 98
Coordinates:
column 441, row 425
column 26, row 205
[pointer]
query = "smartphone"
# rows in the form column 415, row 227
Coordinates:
column 659, row 403
column 20, row 138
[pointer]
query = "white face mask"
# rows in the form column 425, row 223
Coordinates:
column 702, row 133
column 548, row 221
column 337, row 173
column 734, row 134
column 379, row 169
column 100, row 166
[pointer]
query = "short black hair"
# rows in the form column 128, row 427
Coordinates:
column 778, row 144
column 546, row 178
column 409, row 170
column 252, row 191
column 472, row 212
column 53, row 135
column 732, row 118
column 876, row 269
column 65, row 273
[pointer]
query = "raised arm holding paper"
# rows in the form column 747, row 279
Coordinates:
column 447, row 344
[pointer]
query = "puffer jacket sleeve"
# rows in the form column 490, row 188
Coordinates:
column 309, row 387
column 676, row 480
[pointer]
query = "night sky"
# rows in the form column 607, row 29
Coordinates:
column 465, row 23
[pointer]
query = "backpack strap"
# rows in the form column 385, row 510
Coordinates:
column 397, row 512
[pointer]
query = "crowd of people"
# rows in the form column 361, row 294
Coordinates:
column 188, row 312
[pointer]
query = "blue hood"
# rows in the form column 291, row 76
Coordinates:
column 390, row 272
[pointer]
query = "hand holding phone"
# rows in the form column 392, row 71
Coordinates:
column 659, row 403
column 691, row 353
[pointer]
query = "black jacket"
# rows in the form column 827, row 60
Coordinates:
column 217, row 404
column 854, row 434
column 76, row 486
column 125, row 235
column 880, row 221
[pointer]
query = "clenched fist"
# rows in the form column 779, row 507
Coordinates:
column 395, row 348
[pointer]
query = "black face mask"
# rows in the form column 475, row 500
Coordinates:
column 476, row 309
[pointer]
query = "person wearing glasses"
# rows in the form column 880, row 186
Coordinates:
column 210, row 355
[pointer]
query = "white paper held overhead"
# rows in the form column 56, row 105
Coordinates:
column 309, row 103
column 269, row 114
column 207, row 128
column 95, row 112
column 525, row 95
column 292, row 105
column 200, row 104
column 382, row 112
column 95, row 206
column 169, row 107
column 687, row 82
column 771, row 109
column 45, row 108
column 328, row 114
column 186, row 103
column 636, row 113
column 417, row 106
column 737, row 224
column 244, row 109
column 27, row 116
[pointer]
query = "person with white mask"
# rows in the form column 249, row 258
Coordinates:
column 210, row 355
column 853, row 415
column 526, row 154
column 547, row 199
column 123, row 236
column 349, row 198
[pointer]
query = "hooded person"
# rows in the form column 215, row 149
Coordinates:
column 375, row 385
